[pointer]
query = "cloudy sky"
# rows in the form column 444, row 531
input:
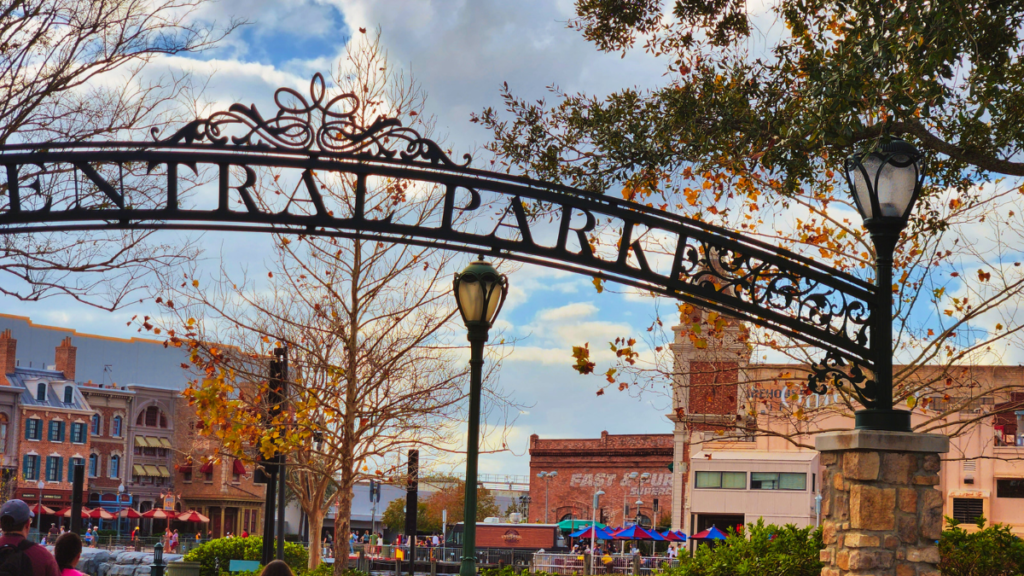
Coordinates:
column 461, row 51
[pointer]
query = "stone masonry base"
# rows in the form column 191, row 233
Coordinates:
column 881, row 511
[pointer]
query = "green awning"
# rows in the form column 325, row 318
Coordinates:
column 574, row 525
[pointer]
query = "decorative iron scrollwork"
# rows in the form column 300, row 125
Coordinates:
column 311, row 125
column 833, row 371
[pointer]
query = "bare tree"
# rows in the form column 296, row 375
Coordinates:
column 378, row 359
column 72, row 71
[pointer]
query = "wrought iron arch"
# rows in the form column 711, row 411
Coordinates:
column 708, row 266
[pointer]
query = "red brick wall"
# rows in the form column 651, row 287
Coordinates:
column 46, row 448
column 586, row 465
column 712, row 389
column 104, row 445
column 8, row 347
column 64, row 358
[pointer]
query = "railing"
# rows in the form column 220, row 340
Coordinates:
column 126, row 543
column 577, row 564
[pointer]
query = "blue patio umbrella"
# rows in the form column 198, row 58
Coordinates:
column 585, row 533
column 709, row 534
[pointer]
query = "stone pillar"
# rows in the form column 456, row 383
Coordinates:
column 881, row 510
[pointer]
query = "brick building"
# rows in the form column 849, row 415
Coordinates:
column 108, row 454
column 607, row 463
column 218, row 486
column 151, row 426
column 54, row 418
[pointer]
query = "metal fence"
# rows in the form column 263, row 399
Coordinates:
column 577, row 564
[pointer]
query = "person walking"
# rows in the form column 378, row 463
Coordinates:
column 53, row 534
column 174, row 541
column 18, row 554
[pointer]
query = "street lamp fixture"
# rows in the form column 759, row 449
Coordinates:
column 39, row 517
column 479, row 292
column 120, row 505
column 593, row 529
column 885, row 184
column 546, row 476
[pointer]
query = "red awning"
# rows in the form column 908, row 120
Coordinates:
column 238, row 468
column 206, row 468
column 185, row 468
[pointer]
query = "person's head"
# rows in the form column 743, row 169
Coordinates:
column 277, row 568
column 15, row 517
column 67, row 550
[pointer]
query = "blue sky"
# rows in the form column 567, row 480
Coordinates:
column 461, row 52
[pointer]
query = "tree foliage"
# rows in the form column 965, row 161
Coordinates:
column 759, row 550
column 993, row 550
column 749, row 130
column 451, row 497
column 76, row 70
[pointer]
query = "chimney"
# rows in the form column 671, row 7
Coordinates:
column 65, row 358
column 8, row 346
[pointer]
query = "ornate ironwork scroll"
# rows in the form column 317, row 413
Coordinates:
column 708, row 266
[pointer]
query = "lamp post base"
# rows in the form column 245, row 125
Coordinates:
column 468, row 566
column 889, row 420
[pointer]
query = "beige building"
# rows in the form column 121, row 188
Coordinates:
column 726, row 475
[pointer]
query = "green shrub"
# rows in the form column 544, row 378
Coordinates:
column 757, row 551
column 992, row 551
column 325, row 569
column 224, row 550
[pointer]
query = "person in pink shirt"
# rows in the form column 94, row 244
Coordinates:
column 67, row 551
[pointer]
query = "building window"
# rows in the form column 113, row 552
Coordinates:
column 188, row 476
column 1009, row 488
column 41, row 392
column 71, row 467
column 726, row 480
column 54, row 468
column 69, row 394
column 78, row 432
column 30, row 467
column 777, row 481
column 94, row 465
column 115, row 431
column 967, row 510
column 152, row 418
column 95, row 428
column 3, row 433
column 33, row 429
column 115, row 466
column 56, row 433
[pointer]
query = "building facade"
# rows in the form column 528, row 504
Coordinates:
column 634, row 471
column 107, row 465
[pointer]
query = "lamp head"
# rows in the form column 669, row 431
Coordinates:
column 885, row 182
column 480, row 292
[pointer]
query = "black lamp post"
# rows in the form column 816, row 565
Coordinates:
column 885, row 184
column 480, row 292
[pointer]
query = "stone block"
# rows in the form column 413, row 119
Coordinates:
column 826, row 505
column 930, row 499
column 904, row 569
column 926, row 479
column 906, row 527
column 859, row 540
column 842, row 507
column 828, row 532
column 930, row 573
column 843, row 559
column 931, row 524
column 828, row 458
column 891, row 542
column 825, row 556
column 861, row 465
column 872, row 508
column 932, row 462
column 830, row 572
column 861, row 560
column 837, row 482
column 898, row 467
column 908, row 500
column 928, row 554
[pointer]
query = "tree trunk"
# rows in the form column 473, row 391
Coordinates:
column 316, row 524
column 342, row 532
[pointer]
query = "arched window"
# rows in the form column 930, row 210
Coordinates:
column 94, row 465
column 95, row 427
column 69, row 394
column 115, row 466
column 152, row 417
column 41, row 392
column 115, row 429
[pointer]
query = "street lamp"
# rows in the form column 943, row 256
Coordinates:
column 120, row 496
column 593, row 529
column 479, row 292
column 39, row 517
column 885, row 184
column 547, row 476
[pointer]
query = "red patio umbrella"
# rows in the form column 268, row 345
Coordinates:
column 129, row 513
column 158, row 514
column 193, row 516
column 35, row 510
column 100, row 514
column 66, row 512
